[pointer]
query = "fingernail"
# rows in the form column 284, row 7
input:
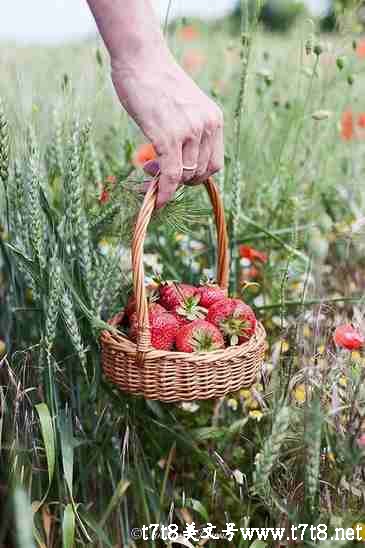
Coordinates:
column 152, row 167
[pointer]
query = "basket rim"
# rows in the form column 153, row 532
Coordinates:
column 120, row 342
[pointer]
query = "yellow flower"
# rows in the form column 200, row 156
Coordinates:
column 257, row 415
column 251, row 403
column 307, row 332
column 356, row 356
column 284, row 346
column 2, row 347
column 321, row 349
column 342, row 381
column 359, row 530
column 245, row 393
column 232, row 404
column 300, row 394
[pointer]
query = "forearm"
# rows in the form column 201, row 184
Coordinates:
column 130, row 31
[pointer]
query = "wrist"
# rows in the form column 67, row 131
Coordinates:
column 135, row 54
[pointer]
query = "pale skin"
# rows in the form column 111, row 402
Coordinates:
column 184, row 125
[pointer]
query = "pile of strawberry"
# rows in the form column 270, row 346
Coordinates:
column 186, row 318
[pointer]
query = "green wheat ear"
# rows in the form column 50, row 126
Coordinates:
column 271, row 450
column 4, row 145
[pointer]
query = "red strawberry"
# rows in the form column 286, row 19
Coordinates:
column 163, row 327
column 172, row 294
column 234, row 318
column 348, row 337
column 152, row 296
column 210, row 293
column 199, row 336
column 189, row 310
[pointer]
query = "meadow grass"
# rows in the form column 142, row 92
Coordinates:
column 85, row 463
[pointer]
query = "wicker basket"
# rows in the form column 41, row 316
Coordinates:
column 177, row 376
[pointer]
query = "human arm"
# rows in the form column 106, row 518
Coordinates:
column 184, row 125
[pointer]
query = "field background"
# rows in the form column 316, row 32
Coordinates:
column 82, row 464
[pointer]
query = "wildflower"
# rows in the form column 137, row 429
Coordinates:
column 104, row 246
column 285, row 346
column 300, row 394
column 359, row 529
column 343, row 381
column 252, row 254
column 347, row 126
column 346, row 336
column 191, row 407
column 257, row 415
column 111, row 179
column 361, row 441
column 193, row 61
column 188, row 33
column 143, row 154
column 232, row 404
column 361, row 120
column 104, row 196
column 360, row 49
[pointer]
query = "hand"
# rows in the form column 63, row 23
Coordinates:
column 184, row 125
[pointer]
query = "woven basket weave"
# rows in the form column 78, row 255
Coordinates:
column 177, row 376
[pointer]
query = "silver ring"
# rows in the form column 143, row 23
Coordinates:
column 190, row 168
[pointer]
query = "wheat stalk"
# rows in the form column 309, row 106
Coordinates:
column 54, row 297
column 74, row 207
column 271, row 450
column 313, row 435
column 34, row 216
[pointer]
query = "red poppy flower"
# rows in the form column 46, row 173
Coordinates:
column 188, row 33
column 360, row 50
column 347, row 126
column 346, row 336
column 252, row 254
column 361, row 120
column 144, row 153
column 193, row 61
column 104, row 196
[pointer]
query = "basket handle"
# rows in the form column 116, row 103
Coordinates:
column 143, row 219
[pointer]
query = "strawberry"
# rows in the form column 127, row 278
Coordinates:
column 189, row 310
column 199, row 336
column 163, row 327
column 210, row 293
column 152, row 296
column 173, row 294
column 234, row 318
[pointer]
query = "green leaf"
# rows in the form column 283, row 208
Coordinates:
column 68, row 527
column 259, row 544
column 208, row 433
column 67, row 449
column 48, row 436
column 23, row 519
column 197, row 506
column 115, row 500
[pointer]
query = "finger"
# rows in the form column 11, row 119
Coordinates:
column 205, row 152
column 171, row 174
column 152, row 167
column 190, row 157
column 216, row 161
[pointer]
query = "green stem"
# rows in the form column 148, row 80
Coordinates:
column 311, row 302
